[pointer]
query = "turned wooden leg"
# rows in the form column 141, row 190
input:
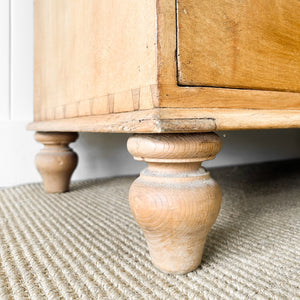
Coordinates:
column 175, row 201
column 57, row 161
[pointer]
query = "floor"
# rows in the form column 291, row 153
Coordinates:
column 85, row 244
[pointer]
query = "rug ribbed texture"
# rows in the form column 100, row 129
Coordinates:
column 85, row 244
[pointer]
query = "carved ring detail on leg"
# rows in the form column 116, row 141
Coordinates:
column 175, row 201
column 56, row 162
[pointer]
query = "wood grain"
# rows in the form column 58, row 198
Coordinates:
column 136, row 99
column 173, row 95
column 174, row 200
column 175, row 120
column 89, row 82
column 237, row 44
column 86, row 51
column 57, row 161
column 138, row 121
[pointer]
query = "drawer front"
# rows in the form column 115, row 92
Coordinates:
column 247, row 44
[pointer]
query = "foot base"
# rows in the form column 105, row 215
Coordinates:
column 57, row 161
column 174, row 200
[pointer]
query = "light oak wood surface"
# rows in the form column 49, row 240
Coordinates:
column 120, row 56
column 176, row 120
column 171, row 94
column 57, row 161
column 251, row 44
column 136, row 67
column 174, row 200
column 94, row 57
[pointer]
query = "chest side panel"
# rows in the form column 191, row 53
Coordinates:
column 94, row 57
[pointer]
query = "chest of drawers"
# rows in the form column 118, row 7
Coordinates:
column 172, row 72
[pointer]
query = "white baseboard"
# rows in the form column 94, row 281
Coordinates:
column 105, row 155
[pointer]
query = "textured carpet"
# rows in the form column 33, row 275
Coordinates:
column 85, row 244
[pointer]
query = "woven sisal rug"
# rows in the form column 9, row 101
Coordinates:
column 85, row 244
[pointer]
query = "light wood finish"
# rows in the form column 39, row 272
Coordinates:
column 94, row 57
column 237, row 44
column 173, row 95
column 174, row 200
column 56, row 162
column 136, row 66
column 88, row 66
column 176, row 120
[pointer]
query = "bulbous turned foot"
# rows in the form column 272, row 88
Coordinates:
column 175, row 201
column 57, row 161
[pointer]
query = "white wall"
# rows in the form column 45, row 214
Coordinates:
column 101, row 155
column 4, row 59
